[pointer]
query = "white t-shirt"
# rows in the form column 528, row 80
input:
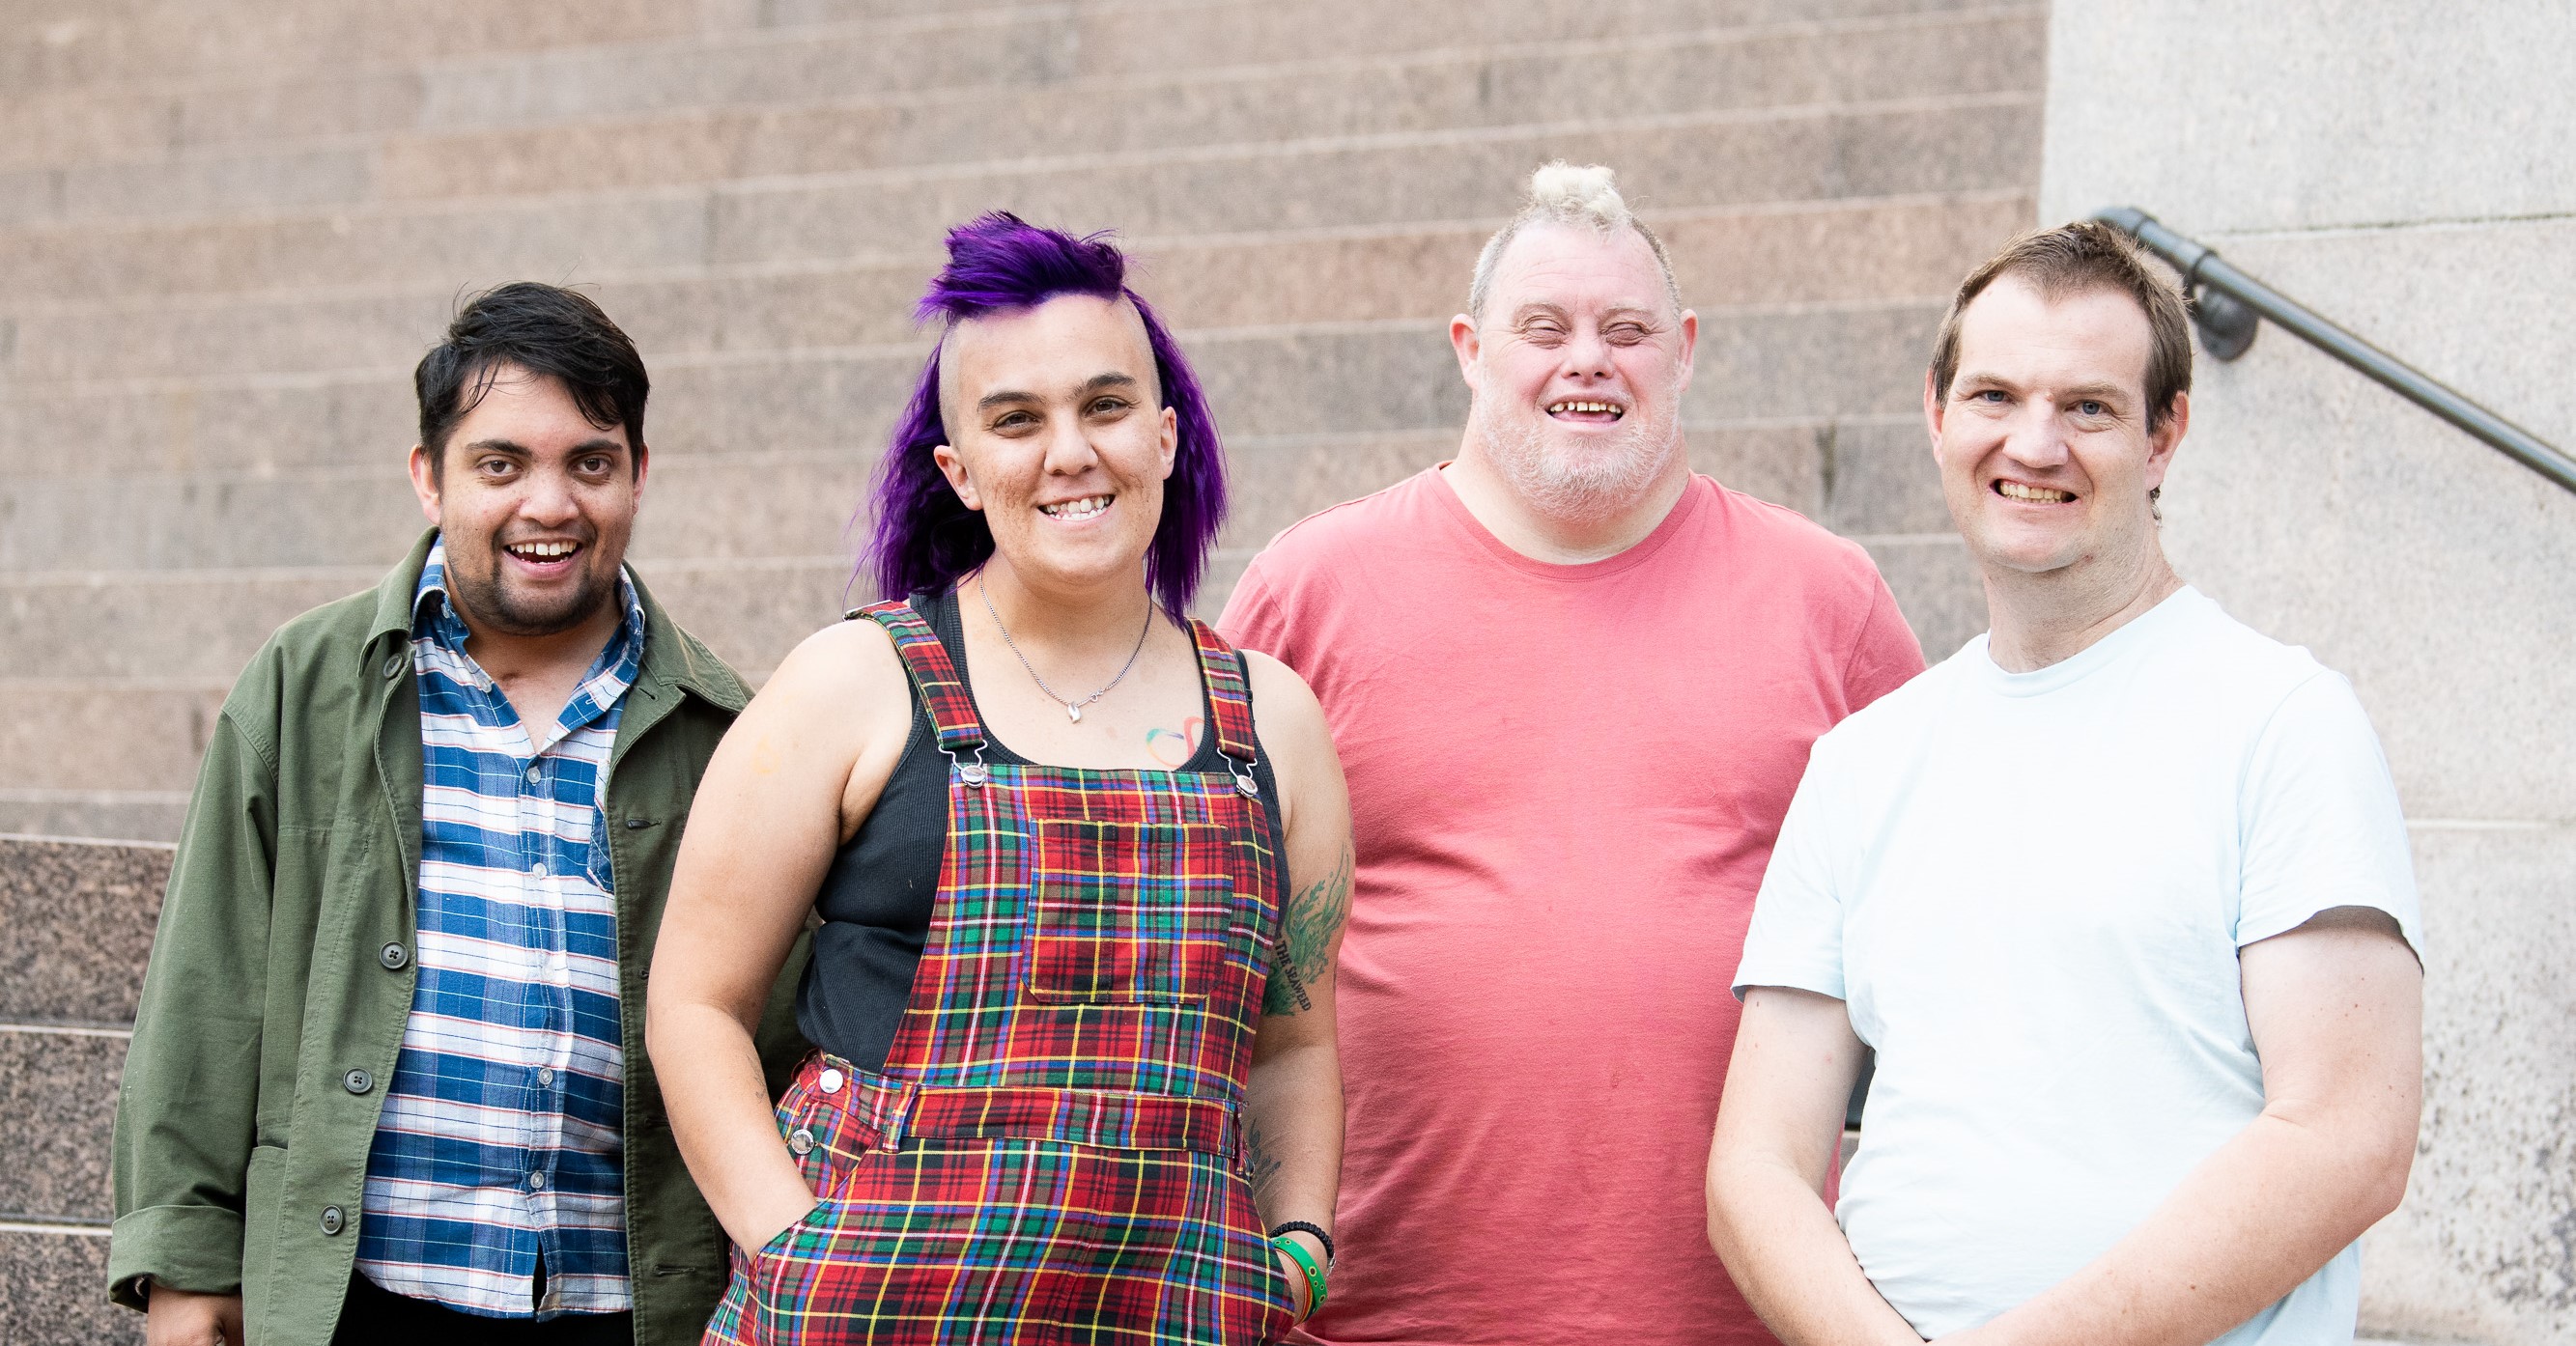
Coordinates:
column 2030, row 890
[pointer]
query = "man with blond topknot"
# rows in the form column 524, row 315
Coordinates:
column 1573, row 684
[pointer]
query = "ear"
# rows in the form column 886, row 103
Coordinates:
column 643, row 463
column 1464, row 339
column 954, row 468
column 2166, row 438
column 424, row 486
column 1933, row 410
column 1171, row 441
column 1690, row 345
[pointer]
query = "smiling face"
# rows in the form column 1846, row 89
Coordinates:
column 2042, row 442
column 1578, row 365
column 535, row 505
column 1058, row 435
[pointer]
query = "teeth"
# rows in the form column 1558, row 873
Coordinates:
column 1076, row 509
column 2014, row 490
column 544, row 551
column 1603, row 407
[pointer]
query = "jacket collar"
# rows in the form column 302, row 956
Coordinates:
column 672, row 657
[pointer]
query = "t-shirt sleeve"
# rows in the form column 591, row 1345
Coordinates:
column 1253, row 619
column 2320, row 823
column 1886, row 656
column 1796, row 938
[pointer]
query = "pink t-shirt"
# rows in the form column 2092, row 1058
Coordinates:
column 1565, row 781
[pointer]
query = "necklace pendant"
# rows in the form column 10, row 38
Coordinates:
column 1073, row 713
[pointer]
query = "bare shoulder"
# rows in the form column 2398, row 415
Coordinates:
column 1284, row 709
column 847, row 664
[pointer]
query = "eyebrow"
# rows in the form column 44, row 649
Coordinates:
column 2099, row 392
column 1537, row 309
column 1097, row 382
column 592, row 445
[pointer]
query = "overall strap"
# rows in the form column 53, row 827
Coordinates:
column 1229, row 697
column 943, row 693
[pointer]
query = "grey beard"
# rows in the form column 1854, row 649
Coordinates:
column 1588, row 489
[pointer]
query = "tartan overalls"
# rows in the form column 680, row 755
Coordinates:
column 1052, row 1153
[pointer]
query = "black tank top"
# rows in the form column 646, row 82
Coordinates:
column 876, row 900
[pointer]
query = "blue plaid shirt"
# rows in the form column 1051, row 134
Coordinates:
column 501, row 1139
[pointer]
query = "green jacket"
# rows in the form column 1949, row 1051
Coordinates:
column 283, row 964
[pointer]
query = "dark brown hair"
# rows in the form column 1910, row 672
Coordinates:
column 546, row 330
column 2071, row 259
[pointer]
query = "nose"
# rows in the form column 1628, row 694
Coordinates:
column 2036, row 438
column 1587, row 355
column 550, row 499
column 1069, row 452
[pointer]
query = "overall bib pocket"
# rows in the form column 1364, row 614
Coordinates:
column 1128, row 913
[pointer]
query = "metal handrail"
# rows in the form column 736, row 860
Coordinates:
column 2227, row 324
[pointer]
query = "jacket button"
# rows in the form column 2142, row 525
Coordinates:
column 801, row 1141
column 393, row 956
column 394, row 665
column 358, row 1081
column 331, row 1219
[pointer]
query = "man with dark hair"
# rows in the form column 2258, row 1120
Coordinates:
column 387, row 1080
column 2119, row 894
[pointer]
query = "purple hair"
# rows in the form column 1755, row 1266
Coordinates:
column 925, row 538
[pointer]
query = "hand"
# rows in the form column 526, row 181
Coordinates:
column 1298, row 1294
column 185, row 1318
column 781, row 1218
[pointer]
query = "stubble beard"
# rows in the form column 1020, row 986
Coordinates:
column 1587, row 486
column 489, row 602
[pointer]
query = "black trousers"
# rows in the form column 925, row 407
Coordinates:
column 375, row 1316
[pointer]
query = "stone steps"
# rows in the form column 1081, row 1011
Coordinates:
column 227, row 232
column 75, row 926
column 1696, row 161
column 764, row 129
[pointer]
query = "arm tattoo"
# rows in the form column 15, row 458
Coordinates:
column 1257, row 1157
column 1304, row 957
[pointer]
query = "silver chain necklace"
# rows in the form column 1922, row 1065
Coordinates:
column 1072, row 709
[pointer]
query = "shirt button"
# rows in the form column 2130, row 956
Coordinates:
column 357, row 1081
column 800, row 1142
column 546, row 1076
column 393, row 956
column 536, row 1182
column 331, row 1220
column 534, row 775
column 831, row 1081
column 538, row 869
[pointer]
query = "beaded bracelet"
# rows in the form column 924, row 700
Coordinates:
column 1306, row 1263
column 1292, row 1226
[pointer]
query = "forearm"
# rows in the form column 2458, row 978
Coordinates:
column 1788, row 1255
column 2255, row 1219
column 1293, row 1133
column 711, row 1081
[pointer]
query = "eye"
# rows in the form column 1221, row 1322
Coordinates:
column 2091, row 409
column 1543, row 333
column 494, row 466
column 596, row 465
column 1108, row 406
column 1625, row 333
column 1012, row 422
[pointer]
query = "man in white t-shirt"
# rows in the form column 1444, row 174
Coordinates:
column 2119, row 894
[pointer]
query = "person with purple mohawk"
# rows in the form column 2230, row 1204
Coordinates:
column 1079, row 870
